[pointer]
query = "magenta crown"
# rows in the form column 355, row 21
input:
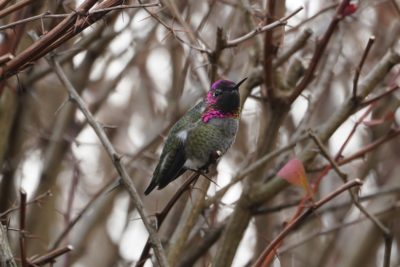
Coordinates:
column 222, row 84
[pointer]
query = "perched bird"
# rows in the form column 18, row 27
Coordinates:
column 207, row 129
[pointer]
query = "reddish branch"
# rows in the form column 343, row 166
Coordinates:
column 362, row 152
column 22, row 222
column 300, row 219
column 378, row 97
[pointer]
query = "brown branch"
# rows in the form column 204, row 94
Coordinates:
column 3, row 3
column 22, row 222
column 300, row 219
column 270, row 51
column 378, row 97
column 371, row 41
column 38, row 199
column 121, row 7
column 76, row 22
column 319, row 50
column 15, row 7
column 116, row 160
column 48, row 15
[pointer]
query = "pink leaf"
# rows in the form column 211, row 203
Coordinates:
column 294, row 173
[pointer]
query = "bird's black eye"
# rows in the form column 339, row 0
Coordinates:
column 217, row 92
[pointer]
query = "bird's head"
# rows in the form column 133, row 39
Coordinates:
column 224, row 96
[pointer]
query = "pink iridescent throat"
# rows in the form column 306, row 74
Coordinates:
column 211, row 113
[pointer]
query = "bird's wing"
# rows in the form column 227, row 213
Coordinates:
column 173, row 156
column 173, row 165
column 170, row 165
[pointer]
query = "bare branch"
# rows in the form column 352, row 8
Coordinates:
column 14, row 7
column 22, row 222
column 371, row 41
column 299, row 220
column 116, row 159
column 50, row 256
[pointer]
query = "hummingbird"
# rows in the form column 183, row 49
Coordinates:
column 207, row 129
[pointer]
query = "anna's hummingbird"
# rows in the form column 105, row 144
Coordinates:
column 207, row 129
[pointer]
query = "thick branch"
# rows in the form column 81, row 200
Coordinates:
column 76, row 22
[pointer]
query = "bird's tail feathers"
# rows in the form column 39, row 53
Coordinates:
column 150, row 188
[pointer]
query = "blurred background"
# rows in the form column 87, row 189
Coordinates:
column 139, row 69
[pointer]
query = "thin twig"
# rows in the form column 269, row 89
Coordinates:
column 322, row 11
column 378, row 97
column 287, row 205
column 50, row 256
column 333, row 229
column 370, row 147
column 371, row 41
column 45, row 15
column 122, row 7
column 73, row 222
column 38, row 199
column 273, row 25
column 116, row 160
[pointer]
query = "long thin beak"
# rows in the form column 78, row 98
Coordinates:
column 239, row 83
